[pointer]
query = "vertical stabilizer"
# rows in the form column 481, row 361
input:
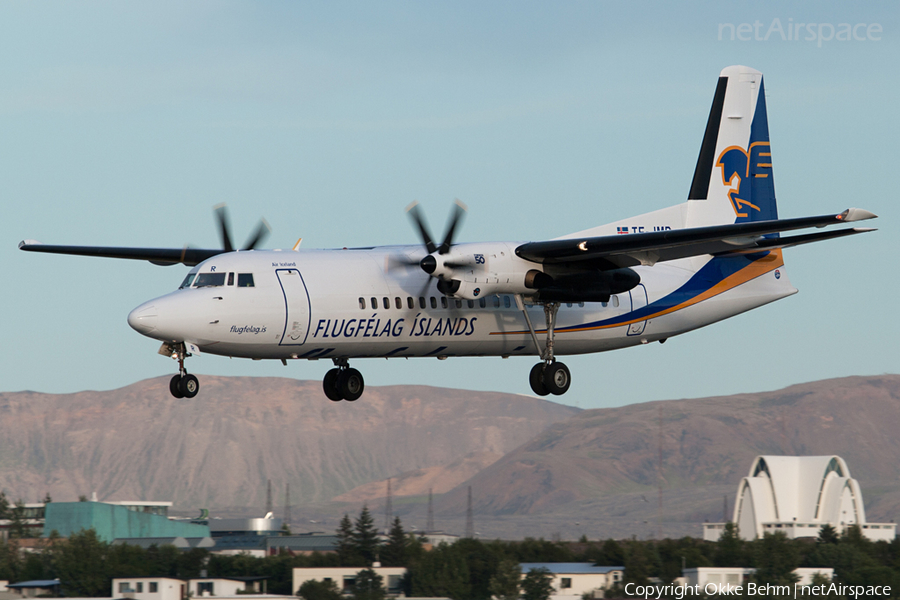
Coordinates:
column 733, row 177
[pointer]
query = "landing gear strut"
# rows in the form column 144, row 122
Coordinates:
column 342, row 382
column 183, row 384
column 548, row 376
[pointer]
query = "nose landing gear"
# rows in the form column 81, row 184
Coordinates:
column 183, row 384
column 343, row 382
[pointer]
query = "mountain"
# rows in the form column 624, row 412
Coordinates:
column 603, row 466
column 218, row 449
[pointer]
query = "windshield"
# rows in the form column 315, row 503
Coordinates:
column 210, row 279
column 187, row 281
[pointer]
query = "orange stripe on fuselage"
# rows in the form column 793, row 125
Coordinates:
column 757, row 268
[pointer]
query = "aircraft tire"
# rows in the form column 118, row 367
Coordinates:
column 329, row 385
column 175, row 386
column 536, row 379
column 189, row 386
column 350, row 384
column 557, row 378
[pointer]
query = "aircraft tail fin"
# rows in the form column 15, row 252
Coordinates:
column 733, row 180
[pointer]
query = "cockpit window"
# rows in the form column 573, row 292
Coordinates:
column 187, row 281
column 210, row 279
column 231, row 279
column 245, row 279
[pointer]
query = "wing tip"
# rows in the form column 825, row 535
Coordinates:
column 856, row 214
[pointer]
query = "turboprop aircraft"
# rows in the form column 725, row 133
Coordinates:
column 639, row 280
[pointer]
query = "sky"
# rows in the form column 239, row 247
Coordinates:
column 123, row 124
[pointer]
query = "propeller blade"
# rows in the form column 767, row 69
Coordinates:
column 262, row 231
column 224, row 227
column 413, row 211
column 459, row 211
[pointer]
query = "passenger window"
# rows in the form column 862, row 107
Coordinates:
column 386, row 302
column 496, row 302
column 433, row 302
column 246, row 280
column 210, row 279
column 187, row 281
column 443, row 301
column 362, row 303
column 398, row 303
column 421, row 302
column 410, row 302
column 615, row 301
column 374, row 303
column 231, row 279
column 581, row 304
column 505, row 301
column 459, row 304
column 471, row 303
column 482, row 302
column 568, row 305
column 604, row 304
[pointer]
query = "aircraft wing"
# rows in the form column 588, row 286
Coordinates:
column 157, row 256
column 613, row 251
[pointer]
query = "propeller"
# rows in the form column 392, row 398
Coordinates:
column 430, row 263
column 262, row 230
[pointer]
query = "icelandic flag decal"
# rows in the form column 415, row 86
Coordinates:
column 621, row 230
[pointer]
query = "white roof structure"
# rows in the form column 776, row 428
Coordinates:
column 800, row 494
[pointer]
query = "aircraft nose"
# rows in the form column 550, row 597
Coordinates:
column 143, row 318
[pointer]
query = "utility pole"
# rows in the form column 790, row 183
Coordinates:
column 470, row 520
column 429, row 524
column 388, row 509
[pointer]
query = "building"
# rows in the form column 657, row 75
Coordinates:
column 179, row 542
column 32, row 519
column 798, row 495
column 304, row 543
column 114, row 521
column 168, row 588
column 345, row 577
column 32, row 589
column 703, row 576
column 572, row 580
column 244, row 536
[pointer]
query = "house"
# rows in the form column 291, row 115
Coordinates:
column 345, row 577
column 38, row 587
column 572, row 580
column 168, row 588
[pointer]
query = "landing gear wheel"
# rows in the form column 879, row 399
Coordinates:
column 329, row 384
column 536, row 379
column 189, row 386
column 175, row 386
column 557, row 378
column 350, row 384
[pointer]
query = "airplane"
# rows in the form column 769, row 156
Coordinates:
column 638, row 280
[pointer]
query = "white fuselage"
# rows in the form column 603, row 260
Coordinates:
column 377, row 302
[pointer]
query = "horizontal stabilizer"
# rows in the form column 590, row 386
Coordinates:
column 648, row 248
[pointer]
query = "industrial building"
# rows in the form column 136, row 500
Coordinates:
column 798, row 495
column 119, row 520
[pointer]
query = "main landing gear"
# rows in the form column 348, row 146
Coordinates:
column 548, row 376
column 342, row 382
column 183, row 384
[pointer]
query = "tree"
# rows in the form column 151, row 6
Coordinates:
column 730, row 550
column 81, row 565
column 505, row 582
column 18, row 528
column 537, row 585
column 776, row 559
column 393, row 553
column 346, row 549
column 368, row 585
column 319, row 590
column 4, row 506
column 365, row 537
column 828, row 535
